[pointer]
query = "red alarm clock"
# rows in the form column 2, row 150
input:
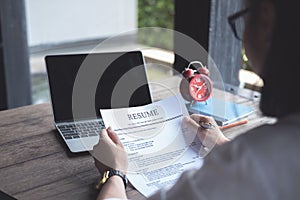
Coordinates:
column 196, row 85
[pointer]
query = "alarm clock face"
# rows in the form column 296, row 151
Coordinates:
column 200, row 87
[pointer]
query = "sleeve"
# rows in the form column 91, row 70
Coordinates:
column 229, row 172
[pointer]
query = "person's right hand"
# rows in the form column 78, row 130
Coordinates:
column 110, row 152
column 208, row 137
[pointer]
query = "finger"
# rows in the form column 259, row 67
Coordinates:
column 102, row 136
column 191, row 124
column 201, row 118
column 196, row 129
column 114, row 137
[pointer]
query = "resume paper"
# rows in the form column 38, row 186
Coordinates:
column 158, row 148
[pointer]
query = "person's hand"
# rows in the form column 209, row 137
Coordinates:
column 110, row 152
column 206, row 129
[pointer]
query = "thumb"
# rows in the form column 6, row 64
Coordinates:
column 194, row 127
column 114, row 137
column 191, row 124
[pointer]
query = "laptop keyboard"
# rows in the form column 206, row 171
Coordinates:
column 81, row 130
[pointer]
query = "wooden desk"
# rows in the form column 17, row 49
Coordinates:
column 36, row 164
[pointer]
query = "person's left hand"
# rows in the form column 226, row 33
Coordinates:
column 110, row 152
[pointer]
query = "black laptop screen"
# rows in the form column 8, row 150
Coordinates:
column 63, row 69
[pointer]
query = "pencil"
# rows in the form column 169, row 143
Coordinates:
column 244, row 121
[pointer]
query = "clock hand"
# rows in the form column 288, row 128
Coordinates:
column 200, row 87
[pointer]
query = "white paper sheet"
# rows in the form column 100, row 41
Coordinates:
column 153, row 137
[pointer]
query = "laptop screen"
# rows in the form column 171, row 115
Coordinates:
column 115, row 71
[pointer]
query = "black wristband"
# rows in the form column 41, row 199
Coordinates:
column 109, row 173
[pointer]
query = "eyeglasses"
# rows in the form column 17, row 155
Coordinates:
column 237, row 23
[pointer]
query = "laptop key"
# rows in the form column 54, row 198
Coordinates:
column 69, row 132
column 83, row 135
column 66, row 130
column 70, row 135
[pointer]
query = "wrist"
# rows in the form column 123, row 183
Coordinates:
column 116, row 180
column 112, row 174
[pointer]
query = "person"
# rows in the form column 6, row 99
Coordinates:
column 262, row 163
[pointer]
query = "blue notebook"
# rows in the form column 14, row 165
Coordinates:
column 224, row 112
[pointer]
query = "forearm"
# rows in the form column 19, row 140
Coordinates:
column 113, row 188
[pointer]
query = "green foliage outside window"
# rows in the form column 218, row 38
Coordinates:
column 156, row 13
column 160, row 13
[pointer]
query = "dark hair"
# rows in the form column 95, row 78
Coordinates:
column 282, row 68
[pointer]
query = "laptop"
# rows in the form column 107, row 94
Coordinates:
column 81, row 84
